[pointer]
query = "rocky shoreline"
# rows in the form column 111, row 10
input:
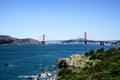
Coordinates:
column 75, row 60
column 91, row 66
column 71, row 62
column 42, row 76
column 46, row 74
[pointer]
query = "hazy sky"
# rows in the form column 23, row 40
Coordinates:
column 60, row 19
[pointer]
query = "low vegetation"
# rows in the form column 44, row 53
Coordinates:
column 103, row 65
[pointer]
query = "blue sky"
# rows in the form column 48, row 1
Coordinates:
column 60, row 19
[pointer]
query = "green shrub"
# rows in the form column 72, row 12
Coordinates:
column 108, row 67
column 64, row 72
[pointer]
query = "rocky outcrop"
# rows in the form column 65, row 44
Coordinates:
column 63, row 63
column 8, row 40
column 6, row 65
column 75, row 60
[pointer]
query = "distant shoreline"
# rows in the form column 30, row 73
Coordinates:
column 8, row 40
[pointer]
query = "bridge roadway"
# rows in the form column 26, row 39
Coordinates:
column 78, row 41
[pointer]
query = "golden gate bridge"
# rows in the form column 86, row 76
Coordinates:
column 85, row 40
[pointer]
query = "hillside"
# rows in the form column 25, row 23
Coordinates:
column 99, row 65
column 8, row 40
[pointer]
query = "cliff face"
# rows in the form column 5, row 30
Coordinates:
column 75, row 60
column 8, row 40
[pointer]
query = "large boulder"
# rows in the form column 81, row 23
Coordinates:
column 75, row 60
column 62, row 63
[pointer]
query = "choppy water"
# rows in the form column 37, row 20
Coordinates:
column 32, row 59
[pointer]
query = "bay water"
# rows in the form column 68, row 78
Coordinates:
column 25, row 60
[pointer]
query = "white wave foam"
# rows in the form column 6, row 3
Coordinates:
column 33, row 77
column 42, row 76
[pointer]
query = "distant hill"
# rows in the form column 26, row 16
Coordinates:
column 73, row 40
column 110, row 42
column 8, row 40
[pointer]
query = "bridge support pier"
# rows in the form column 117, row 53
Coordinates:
column 43, row 42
